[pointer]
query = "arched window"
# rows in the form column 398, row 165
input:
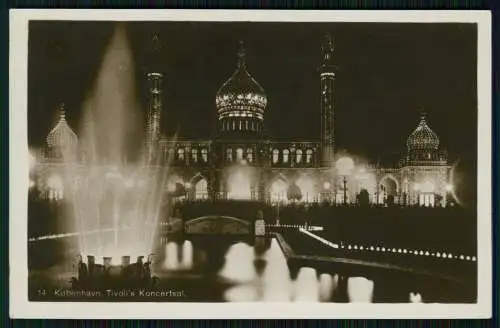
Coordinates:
column 234, row 125
column 246, row 125
column 239, row 154
column 298, row 154
column 180, row 154
column 201, row 189
column 56, row 188
column 241, row 125
column 286, row 155
column 229, row 154
column 250, row 155
column 204, row 155
column 194, row 154
column 276, row 156
column 253, row 126
column 309, row 154
column 170, row 154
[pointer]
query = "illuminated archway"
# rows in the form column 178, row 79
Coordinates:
column 388, row 189
column 426, row 193
column 307, row 187
column 55, row 188
column 239, row 186
column 278, row 190
column 201, row 189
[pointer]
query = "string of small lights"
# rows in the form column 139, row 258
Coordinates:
column 383, row 249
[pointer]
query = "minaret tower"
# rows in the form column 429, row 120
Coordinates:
column 327, row 75
column 153, row 130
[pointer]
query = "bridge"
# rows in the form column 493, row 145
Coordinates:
column 218, row 225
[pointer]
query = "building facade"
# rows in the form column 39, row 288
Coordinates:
column 241, row 163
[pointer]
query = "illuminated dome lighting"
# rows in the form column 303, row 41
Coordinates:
column 422, row 138
column 62, row 136
column 241, row 95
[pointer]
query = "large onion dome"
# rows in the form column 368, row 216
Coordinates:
column 62, row 141
column 241, row 101
column 423, row 138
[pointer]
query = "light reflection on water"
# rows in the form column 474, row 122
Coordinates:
column 326, row 287
column 172, row 256
column 187, row 255
column 307, row 286
column 360, row 289
column 239, row 264
column 225, row 269
column 179, row 257
column 276, row 281
column 263, row 275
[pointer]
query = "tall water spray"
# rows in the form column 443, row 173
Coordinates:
column 117, row 204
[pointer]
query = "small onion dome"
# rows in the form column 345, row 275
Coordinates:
column 422, row 137
column 241, row 95
column 62, row 136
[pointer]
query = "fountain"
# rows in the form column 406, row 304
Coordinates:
column 119, row 201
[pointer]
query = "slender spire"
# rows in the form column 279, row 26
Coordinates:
column 155, row 42
column 423, row 116
column 327, row 47
column 241, row 55
column 62, row 112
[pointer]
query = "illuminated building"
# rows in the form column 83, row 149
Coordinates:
column 241, row 163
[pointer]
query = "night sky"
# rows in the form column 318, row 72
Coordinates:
column 387, row 73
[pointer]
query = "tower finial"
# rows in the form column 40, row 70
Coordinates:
column 241, row 54
column 62, row 112
column 155, row 42
column 423, row 115
column 327, row 47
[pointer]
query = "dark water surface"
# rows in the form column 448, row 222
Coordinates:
column 224, row 269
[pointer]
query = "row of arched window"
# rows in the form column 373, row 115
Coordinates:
column 239, row 155
column 279, row 156
column 181, row 154
column 286, row 156
column 242, row 125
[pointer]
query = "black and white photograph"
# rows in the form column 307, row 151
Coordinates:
column 323, row 163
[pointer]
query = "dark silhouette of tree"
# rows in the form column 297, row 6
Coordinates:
column 294, row 193
column 390, row 200
column 363, row 198
column 438, row 199
column 179, row 191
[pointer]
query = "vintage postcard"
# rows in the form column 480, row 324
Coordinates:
column 250, row 164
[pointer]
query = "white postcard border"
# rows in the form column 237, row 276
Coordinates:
column 20, row 307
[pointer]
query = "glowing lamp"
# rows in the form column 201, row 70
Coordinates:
column 188, row 185
column 344, row 165
column 326, row 185
column 448, row 187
